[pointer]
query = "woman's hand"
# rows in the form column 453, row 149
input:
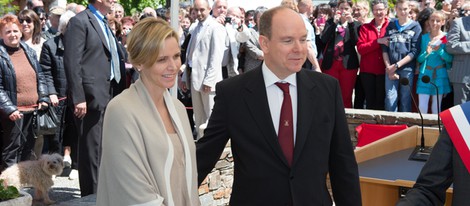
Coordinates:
column 348, row 16
column 383, row 40
column 42, row 105
column 16, row 115
column 336, row 17
column 54, row 100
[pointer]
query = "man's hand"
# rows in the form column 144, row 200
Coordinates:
column 221, row 19
column 206, row 89
column 80, row 110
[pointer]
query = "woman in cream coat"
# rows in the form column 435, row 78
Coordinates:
column 148, row 155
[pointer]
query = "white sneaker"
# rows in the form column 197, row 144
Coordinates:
column 67, row 162
column 73, row 175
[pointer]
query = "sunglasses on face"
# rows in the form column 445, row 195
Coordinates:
column 23, row 20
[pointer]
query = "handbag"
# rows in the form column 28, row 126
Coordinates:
column 45, row 121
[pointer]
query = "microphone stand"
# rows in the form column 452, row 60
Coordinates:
column 426, row 79
column 421, row 152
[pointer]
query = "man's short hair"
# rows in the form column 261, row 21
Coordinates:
column 266, row 21
column 401, row 1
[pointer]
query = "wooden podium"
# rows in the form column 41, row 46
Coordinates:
column 384, row 167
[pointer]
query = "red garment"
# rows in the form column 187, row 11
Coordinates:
column 346, row 79
column 370, row 51
column 286, row 127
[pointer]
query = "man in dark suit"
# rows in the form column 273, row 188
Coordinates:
column 94, row 67
column 448, row 164
column 291, row 152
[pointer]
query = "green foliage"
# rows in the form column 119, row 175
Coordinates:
column 130, row 6
column 81, row 2
column 8, row 193
column 7, row 7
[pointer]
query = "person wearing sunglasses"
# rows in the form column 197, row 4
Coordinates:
column 22, row 90
column 31, row 30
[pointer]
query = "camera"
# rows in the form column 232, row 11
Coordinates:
column 127, row 31
column 463, row 12
column 228, row 20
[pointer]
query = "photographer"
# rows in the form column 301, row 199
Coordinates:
column 457, row 9
column 237, row 33
column 464, row 10
column 340, row 58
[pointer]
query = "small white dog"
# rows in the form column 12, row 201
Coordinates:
column 35, row 173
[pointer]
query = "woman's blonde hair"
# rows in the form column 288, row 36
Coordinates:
column 292, row 4
column 146, row 40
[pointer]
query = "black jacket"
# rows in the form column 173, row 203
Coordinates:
column 443, row 168
column 8, row 95
column 350, row 58
column 52, row 64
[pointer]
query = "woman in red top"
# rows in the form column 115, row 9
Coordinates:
column 372, row 66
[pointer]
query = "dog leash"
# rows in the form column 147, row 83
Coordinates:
column 36, row 105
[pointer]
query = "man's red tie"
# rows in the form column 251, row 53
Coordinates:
column 286, row 124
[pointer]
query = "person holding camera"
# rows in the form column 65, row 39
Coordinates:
column 237, row 33
column 340, row 58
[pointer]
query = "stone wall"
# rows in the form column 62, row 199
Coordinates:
column 216, row 189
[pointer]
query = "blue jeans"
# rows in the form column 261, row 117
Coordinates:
column 398, row 97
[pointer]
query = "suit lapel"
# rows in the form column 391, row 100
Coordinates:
column 97, row 27
column 257, row 102
column 306, row 96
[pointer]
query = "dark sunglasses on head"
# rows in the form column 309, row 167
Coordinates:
column 27, row 21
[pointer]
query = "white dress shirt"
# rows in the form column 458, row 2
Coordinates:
column 276, row 96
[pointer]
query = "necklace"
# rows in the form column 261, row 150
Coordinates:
column 378, row 28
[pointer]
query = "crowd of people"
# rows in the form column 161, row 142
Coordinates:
column 107, row 74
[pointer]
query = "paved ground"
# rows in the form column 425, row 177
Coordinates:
column 64, row 190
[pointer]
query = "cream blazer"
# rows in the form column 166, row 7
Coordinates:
column 137, row 153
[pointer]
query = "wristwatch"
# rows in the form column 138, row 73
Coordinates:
column 396, row 64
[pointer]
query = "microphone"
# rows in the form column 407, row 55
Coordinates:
column 421, row 152
column 426, row 79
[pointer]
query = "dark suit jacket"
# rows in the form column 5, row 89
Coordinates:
column 443, row 168
column 88, row 62
column 261, row 173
